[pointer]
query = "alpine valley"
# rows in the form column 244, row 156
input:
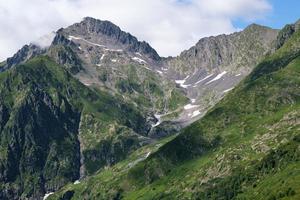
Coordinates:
column 98, row 114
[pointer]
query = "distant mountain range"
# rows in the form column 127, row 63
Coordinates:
column 100, row 115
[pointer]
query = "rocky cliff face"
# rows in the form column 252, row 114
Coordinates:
column 101, row 55
column 25, row 53
column 215, row 65
column 286, row 33
column 111, row 36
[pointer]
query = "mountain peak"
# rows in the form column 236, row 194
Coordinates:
column 254, row 27
column 111, row 35
column 96, row 25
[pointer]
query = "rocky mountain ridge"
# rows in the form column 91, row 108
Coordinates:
column 97, row 53
column 127, row 97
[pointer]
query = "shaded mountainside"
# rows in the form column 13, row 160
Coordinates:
column 54, row 129
column 245, row 147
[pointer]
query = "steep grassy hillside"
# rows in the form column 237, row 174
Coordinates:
column 53, row 129
column 246, row 147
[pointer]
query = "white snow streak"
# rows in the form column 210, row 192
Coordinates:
column 47, row 195
column 228, row 90
column 148, row 154
column 113, row 50
column 102, row 57
column 78, row 38
column 217, row 77
column 196, row 113
column 141, row 61
column 137, row 53
column 158, row 117
column 158, row 71
column 208, row 76
column 181, row 82
column 190, row 106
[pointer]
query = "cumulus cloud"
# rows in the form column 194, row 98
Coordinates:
column 170, row 26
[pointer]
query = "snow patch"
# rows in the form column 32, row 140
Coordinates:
column 181, row 82
column 137, row 53
column 141, row 61
column 86, row 83
column 102, row 57
column 158, row 71
column 158, row 117
column 185, row 86
column 79, row 38
column 208, row 76
column 139, row 160
column 238, row 74
column 76, row 182
column 148, row 154
column 114, row 50
column 217, row 77
column 225, row 91
column 47, row 195
column 195, row 113
column 190, row 106
column 113, row 60
column 193, row 100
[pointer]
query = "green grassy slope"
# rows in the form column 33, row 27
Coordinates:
column 43, row 129
column 246, row 147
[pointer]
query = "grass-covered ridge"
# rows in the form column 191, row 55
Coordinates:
column 47, row 122
column 246, row 147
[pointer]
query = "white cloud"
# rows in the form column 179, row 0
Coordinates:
column 170, row 26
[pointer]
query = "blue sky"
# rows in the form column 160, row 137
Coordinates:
column 283, row 12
